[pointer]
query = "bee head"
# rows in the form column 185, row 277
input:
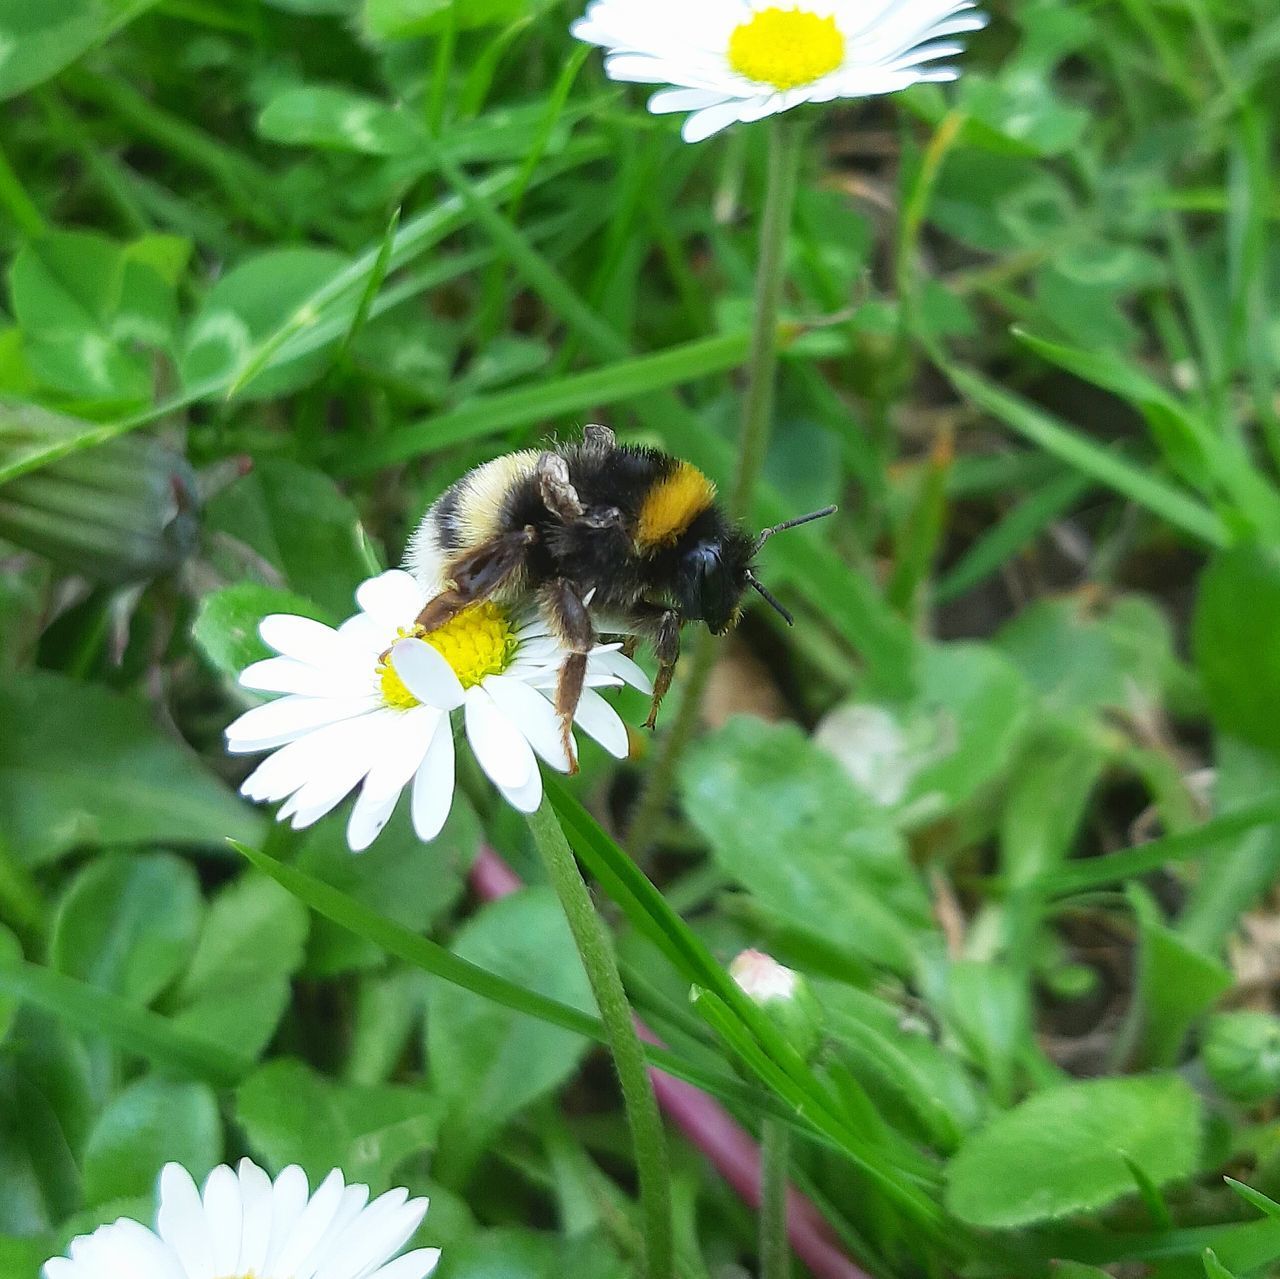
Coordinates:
column 712, row 575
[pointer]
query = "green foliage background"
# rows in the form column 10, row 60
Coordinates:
column 277, row 272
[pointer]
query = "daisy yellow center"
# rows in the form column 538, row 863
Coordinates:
column 478, row 642
column 786, row 47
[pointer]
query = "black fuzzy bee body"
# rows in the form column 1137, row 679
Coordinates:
column 631, row 536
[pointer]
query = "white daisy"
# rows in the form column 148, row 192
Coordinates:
column 244, row 1226
column 742, row 60
column 370, row 704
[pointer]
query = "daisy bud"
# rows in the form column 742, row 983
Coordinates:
column 122, row 511
column 784, row 995
column 1241, row 1054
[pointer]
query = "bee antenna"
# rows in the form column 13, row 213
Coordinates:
column 770, row 599
column 795, row 523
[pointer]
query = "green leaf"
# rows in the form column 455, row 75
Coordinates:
column 82, row 765
column 82, row 303
column 45, row 1108
column 488, row 1063
column 10, row 954
column 988, row 1008
column 246, row 305
column 1236, row 622
column 1083, row 657
column 405, row 881
column 40, row 39
column 297, row 520
column 914, row 1081
column 329, row 116
column 150, row 1123
column 237, row 986
column 1176, row 984
column 1243, row 868
column 405, row 19
column 128, row 924
column 291, row 1114
column 126, row 1025
column 928, row 756
column 512, row 1253
column 1046, row 801
column 226, row 625
column 783, row 820
column 1063, row 1150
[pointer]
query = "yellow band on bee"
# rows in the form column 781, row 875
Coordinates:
column 672, row 505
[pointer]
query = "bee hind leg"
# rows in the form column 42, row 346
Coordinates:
column 571, row 622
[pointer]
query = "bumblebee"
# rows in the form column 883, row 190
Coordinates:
column 630, row 535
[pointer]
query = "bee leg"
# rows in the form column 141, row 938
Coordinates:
column 558, row 494
column 662, row 624
column 601, row 437
column 477, row 575
column 571, row 622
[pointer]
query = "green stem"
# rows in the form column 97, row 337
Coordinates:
column 641, row 1105
column 775, row 1156
column 785, row 150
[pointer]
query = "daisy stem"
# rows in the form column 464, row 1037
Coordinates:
column 775, row 1156
column 643, row 1117
column 786, row 146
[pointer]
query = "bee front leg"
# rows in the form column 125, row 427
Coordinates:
column 569, row 619
column 475, row 576
column 662, row 624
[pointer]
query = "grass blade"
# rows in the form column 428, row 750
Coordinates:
column 489, row 415
column 128, row 1026
column 1096, row 872
column 1140, row 486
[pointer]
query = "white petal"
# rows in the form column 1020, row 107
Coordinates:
column 393, row 598
column 433, row 785
column 598, row 719
column 526, row 798
column 255, row 1237
column 304, row 638
column 426, row 674
column 668, row 100
column 288, row 718
column 399, row 753
column 282, row 773
column 413, row 1265
column 296, row 1257
column 374, row 1237
column 612, row 662
column 225, row 1215
column 702, row 124
column 288, row 1203
column 288, row 675
column 535, row 717
column 181, row 1222
column 498, row 745
column 337, row 775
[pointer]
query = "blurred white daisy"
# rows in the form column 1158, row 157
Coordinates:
column 370, row 704
column 742, row 60
column 244, row 1226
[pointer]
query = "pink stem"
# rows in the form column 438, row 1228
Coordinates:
column 731, row 1150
